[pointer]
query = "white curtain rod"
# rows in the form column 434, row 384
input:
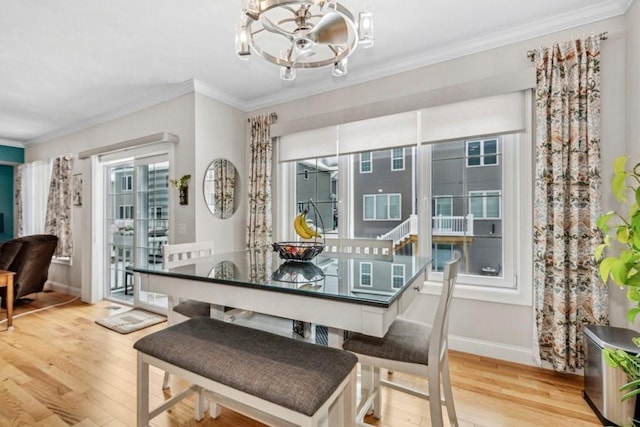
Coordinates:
column 603, row 36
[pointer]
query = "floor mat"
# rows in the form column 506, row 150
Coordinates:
column 130, row 321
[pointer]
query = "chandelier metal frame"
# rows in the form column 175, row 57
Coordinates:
column 326, row 33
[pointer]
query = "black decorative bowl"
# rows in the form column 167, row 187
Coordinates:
column 298, row 251
column 298, row 272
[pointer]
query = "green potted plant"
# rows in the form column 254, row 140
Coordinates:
column 621, row 230
column 182, row 184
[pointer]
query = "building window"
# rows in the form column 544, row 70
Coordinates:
column 127, row 182
column 380, row 207
column 156, row 212
column 485, row 204
column 482, row 152
column 366, row 274
column 397, row 275
column 366, row 165
column 125, row 212
column 397, row 159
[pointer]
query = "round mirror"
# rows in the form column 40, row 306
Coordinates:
column 221, row 188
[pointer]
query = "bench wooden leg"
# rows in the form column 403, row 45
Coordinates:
column 142, row 393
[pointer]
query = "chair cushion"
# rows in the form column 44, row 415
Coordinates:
column 192, row 308
column 405, row 341
column 293, row 374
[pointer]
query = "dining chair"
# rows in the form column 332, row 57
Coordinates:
column 414, row 348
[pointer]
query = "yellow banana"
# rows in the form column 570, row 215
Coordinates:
column 308, row 230
column 297, row 226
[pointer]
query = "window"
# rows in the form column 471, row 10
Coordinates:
column 485, row 204
column 365, row 163
column 397, row 275
column 127, row 183
column 366, row 274
column 36, row 178
column 482, row 153
column 397, row 159
column 156, row 212
column 459, row 190
column 379, row 207
column 125, row 212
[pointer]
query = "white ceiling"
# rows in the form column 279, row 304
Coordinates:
column 65, row 63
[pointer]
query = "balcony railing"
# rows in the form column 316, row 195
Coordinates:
column 452, row 225
column 440, row 226
column 402, row 231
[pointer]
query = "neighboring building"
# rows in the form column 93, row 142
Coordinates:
column 383, row 192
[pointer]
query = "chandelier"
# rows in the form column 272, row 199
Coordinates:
column 302, row 34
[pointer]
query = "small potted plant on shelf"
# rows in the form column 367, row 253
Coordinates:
column 182, row 184
column 622, row 237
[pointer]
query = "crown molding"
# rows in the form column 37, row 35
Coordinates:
column 154, row 98
column 587, row 15
column 11, row 143
column 204, row 89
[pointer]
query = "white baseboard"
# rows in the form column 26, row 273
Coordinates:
column 62, row 287
column 491, row 349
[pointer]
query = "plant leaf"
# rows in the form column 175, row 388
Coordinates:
column 632, row 313
column 620, row 164
column 618, row 186
column 603, row 221
column 619, row 271
column 622, row 234
column 605, row 267
column 598, row 252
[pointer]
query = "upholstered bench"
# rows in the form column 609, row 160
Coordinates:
column 273, row 379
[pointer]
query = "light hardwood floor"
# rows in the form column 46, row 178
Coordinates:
column 59, row 368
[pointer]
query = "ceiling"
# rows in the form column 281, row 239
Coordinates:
column 65, row 64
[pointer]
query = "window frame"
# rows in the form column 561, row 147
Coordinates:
column 485, row 197
column 363, row 274
column 127, row 183
column 375, row 207
column 368, row 162
column 482, row 156
column 395, row 276
column 394, row 158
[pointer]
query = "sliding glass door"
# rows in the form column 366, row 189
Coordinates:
column 137, row 218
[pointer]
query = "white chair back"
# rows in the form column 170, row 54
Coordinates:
column 178, row 254
column 440, row 327
column 365, row 248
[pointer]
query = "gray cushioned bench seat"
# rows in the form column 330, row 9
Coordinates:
column 192, row 308
column 293, row 374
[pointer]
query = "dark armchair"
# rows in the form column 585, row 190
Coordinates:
column 29, row 257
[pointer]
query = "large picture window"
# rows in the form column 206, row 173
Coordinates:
column 382, row 207
column 464, row 194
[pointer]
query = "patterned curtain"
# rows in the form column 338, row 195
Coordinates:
column 568, row 293
column 18, row 196
column 58, row 220
column 259, row 227
column 224, row 187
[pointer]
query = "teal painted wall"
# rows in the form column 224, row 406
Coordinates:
column 11, row 154
column 6, row 202
column 8, row 155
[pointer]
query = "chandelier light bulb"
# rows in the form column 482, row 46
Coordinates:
column 287, row 73
column 340, row 68
column 365, row 29
column 242, row 42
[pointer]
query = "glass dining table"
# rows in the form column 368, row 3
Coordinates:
column 343, row 292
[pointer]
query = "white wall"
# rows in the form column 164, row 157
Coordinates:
column 175, row 116
column 492, row 329
column 220, row 133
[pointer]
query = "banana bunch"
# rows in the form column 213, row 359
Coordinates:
column 302, row 228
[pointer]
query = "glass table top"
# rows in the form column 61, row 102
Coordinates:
column 369, row 281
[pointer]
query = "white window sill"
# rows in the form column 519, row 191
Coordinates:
column 518, row 296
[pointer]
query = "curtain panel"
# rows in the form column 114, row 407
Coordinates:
column 568, row 292
column 259, row 218
column 58, row 218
